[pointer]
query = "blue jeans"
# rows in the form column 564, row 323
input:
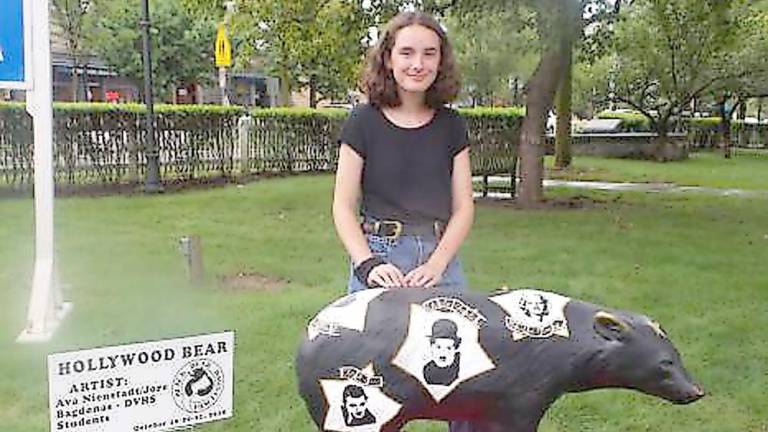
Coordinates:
column 407, row 253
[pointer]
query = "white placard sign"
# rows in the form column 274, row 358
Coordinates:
column 151, row 386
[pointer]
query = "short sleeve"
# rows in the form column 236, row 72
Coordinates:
column 461, row 134
column 352, row 131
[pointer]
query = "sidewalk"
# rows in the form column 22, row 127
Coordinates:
column 641, row 187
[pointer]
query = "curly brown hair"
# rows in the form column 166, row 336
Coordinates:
column 378, row 82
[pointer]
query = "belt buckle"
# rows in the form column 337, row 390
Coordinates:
column 398, row 229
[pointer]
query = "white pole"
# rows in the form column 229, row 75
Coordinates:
column 223, row 86
column 45, row 306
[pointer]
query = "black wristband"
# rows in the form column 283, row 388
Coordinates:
column 363, row 269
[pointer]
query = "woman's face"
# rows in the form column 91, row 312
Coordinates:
column 415, row 58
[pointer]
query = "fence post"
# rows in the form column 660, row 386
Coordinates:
column 133, row 138
column 244, row 127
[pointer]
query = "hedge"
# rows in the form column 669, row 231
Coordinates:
column 96, row 143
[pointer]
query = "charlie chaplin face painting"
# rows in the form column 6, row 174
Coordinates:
column 442, row 348
column 443, row 368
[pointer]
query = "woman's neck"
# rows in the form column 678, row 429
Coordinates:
column 412, row 103
column 412, row 111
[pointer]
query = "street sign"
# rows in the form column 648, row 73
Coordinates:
column 15, row 44
column 223, row 47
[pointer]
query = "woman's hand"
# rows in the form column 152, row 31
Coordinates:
column 386, row 275
column 426, row 275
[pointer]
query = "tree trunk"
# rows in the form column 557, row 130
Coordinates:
column 563, row 108
column 516, row 93
column 541, row 93
column 75, row 80
column 285, row 90
column 86, row 90
column 312, row 91
column 663, row 150
column 561, row 21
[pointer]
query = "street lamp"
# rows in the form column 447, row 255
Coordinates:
column 152, row 181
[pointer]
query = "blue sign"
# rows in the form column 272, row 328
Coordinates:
column 14, row 42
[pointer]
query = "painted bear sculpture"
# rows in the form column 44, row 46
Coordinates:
column 374, row 360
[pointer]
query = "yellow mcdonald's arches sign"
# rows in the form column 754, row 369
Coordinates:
column 223, row 47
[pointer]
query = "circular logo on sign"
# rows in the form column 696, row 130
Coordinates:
column 198, row 385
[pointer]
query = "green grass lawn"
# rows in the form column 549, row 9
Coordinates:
column 694, row 262
column 744, row 171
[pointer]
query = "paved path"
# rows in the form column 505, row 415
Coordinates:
column 642, row 187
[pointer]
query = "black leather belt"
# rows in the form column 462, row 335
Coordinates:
column 392, row 229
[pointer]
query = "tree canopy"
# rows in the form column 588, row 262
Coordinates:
column 495, row 52
column 670, row 52
column 182, row 50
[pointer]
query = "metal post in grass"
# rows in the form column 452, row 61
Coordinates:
column 152, row 181
column 191, row 248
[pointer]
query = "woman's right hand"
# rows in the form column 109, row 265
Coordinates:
column 386, row 276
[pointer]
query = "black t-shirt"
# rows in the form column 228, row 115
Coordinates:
column 407, row 171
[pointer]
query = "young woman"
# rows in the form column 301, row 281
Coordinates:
column 404, row 159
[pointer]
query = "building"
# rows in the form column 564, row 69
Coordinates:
column 94, row 81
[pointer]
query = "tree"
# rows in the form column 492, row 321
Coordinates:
column 591, row 84
column 487, row 72
column 559, row 25
column 71, row 16
column 314, row 44
column 311, row 44
column 588, row 51
column 182, row 49
column 672, row 52
column 305, row 43
column 563, row 107
column 330, row 61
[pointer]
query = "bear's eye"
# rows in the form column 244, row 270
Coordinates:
column 665, row 367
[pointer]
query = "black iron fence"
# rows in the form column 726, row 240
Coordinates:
column 103, row 145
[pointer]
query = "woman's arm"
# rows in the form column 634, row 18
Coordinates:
column 459, row 225
column 346, row 195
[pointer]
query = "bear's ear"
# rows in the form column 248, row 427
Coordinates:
column 610, row 327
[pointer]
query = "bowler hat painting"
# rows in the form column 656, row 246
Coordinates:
column 443, row 368
column 441, row 350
